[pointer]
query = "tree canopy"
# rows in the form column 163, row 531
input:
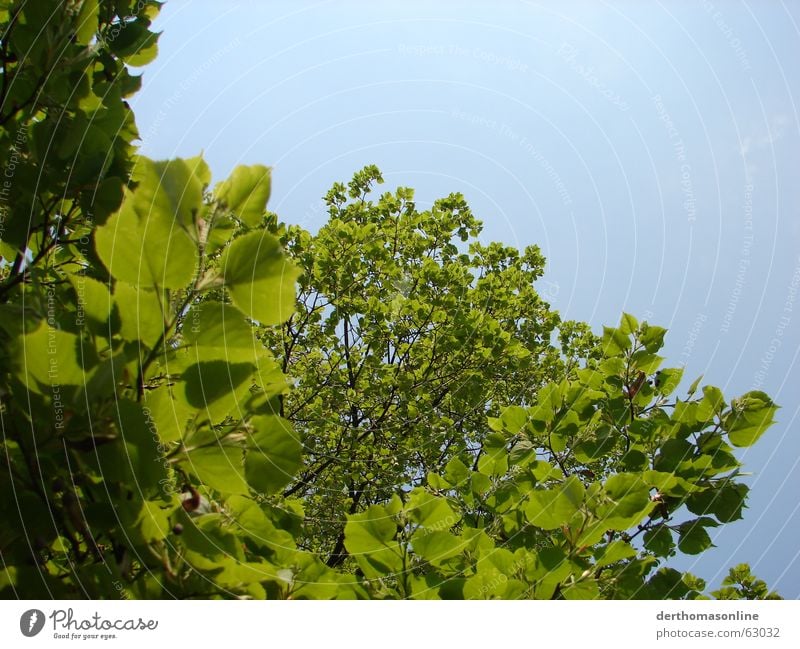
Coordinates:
column 199, row 401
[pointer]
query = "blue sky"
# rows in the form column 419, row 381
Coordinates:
column 650, row 149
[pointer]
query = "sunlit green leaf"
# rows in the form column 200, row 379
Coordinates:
column 246, row 192
column 429, row 511
column 140, row 313
column 144, row 245
column 615, row 342
column 259, row 278
column 613, row 552
column 153, row 521
column 629, row 501
column 549, row 509
column 652, row 337
column 218, row 467
column 217, row 387
column 275, row 453
column 369, row 537
column 48, row 356
column 628, row 324
column 436, row 547
column 86, row 21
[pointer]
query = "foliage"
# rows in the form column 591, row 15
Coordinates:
column 409, row 332
column 741, row 584
column 583, row 494
column 154, row 447
column 67, row 131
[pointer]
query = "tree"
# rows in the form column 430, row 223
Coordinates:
column 160, row 380
column 408, row 333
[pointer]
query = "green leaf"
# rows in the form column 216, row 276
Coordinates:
column 549, row 509
column 671, row 454
column 246, row 192
column 550, row 396
column 668, row 484
column 219, row 468
column 436, row 547
column 744, row 429
column 86, row 22
column 652, row 337
column 514, row 418
column 241, row 574
column 712, row 396
column 630, row 501
column 693, row 387
column 275, row 454
column 259, row 278
column 585, row 589
column 169, row 189
column 634, row 460
column 544, row 471
column 153, row 521
column 456, row 472
column 93, row 300
column 167, row 412
column 429, row 511
column 613, row 552
column 693, row 537
column 668, row 380
column 612, row 366
column 217, row 387
column 725, row 502
column 494, row 460
column 215, row 324
column 751, row 415
column 135, row 43
column 50, row 357
column 551, row 567
column 140, row 314
column 135, row 458
column 753, row 401
column 600, row 444
column 646, row 362
column 146, row 247
column 208, row 540
column 104, row 199
column 694, row 583
column 615, row 342
column 369, row 537
column 200, row 170
column 255, row 525
column 659, row 541
column 628, row 324
column 667, row 583
column 222, row 229
column 480, row 484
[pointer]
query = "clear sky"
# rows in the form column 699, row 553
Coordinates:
column 650, row 149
